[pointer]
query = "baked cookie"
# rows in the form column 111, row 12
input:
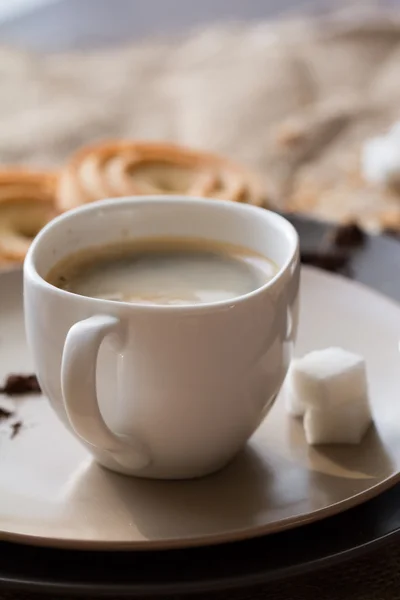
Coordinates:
column 127, row 168
column 26, row 205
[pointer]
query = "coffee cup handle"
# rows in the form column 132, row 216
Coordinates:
column 78, row 384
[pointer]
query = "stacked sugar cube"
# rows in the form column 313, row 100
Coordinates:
column 328, row 388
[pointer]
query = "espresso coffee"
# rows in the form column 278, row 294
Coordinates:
column 163, row 272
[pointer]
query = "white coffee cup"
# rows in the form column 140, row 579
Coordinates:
column 162, row 391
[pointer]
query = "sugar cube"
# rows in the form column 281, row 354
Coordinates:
column 343, row 424
column 330, row 388
column 329, row 377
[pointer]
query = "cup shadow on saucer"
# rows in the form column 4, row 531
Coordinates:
column 231, row 499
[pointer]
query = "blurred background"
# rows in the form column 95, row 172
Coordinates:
column 290, row 89
column 69, row 24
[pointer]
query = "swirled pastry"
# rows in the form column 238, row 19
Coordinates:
column 26, row 205
column 125, row 168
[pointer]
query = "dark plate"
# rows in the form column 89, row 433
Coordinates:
column 274, row 557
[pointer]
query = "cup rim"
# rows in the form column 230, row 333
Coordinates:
column 280, row 222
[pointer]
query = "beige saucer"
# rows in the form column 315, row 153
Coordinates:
column 52, row 494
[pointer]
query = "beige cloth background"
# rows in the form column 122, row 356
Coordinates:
column 233, row 89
